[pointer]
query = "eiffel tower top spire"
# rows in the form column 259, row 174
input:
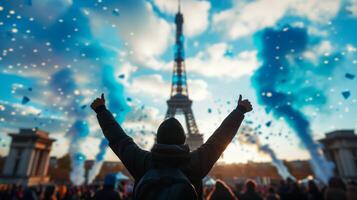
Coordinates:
column 179, row 6
column 179, row 80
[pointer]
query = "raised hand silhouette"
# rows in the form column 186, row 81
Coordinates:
column 244, row 105
column 98, row 102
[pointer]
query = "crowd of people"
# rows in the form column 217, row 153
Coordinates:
column 337, row 189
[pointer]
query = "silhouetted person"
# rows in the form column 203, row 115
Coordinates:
column 169, row 150
column 336, row 189
column 351, row 190
column 50, row 193
column 283, row 190
column 272, row 195
column 295, row 192
column 30, row 194
column 108, row 192
column 221, row 192
column 313, row 192
column 250, row 193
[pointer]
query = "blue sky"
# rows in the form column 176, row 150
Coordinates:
column 61, row 54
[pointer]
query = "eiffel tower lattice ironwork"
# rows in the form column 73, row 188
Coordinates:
column 179, row 102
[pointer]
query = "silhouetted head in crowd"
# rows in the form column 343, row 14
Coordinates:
column 221, row 191
column 312, row 187
column 171, row 132
column 250, row 186
column 289, row 181
column 336, row 182
column 271, row 190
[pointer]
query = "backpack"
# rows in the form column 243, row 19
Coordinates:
column 164, row 184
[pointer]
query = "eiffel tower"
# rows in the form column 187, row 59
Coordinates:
column 179, row 102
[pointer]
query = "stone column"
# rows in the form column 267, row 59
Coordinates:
column 25, row 160
column 31, row 162
column 338, row 162
column 44, row 162
column 347, row 162
column 35, row 162
column 10, row 162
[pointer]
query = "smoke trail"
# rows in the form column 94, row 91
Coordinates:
column 78, row 132
column 286, row 82
column 283, row 171
column 63, row 82
column 118, row 106
column 99, row 159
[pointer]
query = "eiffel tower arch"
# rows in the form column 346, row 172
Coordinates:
column 179, row 102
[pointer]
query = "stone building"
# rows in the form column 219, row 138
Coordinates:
column 340, row 146
column 28, row 158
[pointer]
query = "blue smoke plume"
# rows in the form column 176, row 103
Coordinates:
column 64, row 83
column 279, row 165
column 98, row 162
column 117, row 105
column 78, row 132
column 250, row 137
column 285, row 83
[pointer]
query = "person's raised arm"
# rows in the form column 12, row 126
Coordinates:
column 205, row 156
column 122, row 145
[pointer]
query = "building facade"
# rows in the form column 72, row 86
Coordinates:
column 340, row 146
column 28, row 158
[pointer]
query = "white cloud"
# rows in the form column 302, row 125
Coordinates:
column 146, row 36
column 156, row 87
column 152, row 85
column 195, row 14
column 198, row 90
column 212, row 62
column 324, row 47
column 315, row 10
column 246, row 18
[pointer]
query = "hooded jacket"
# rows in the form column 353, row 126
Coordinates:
column 195, row 164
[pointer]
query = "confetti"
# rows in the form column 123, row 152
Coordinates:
column 25, row 100
column 115, row 12
column 349, row 76
column 346, row 94
column 268, row 124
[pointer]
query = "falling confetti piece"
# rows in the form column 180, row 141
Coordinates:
column 84, row 106
column 346, row 94
column 115, row 12
column 349, row 76
column 25, row 100
column 121, row 76
column 268, row 124
column 209, row 110
column 248, row 122
column 129, row 99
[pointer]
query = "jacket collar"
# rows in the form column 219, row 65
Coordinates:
column 170, row 155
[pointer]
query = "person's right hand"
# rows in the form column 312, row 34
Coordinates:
column 98, row 102
column 244, row 105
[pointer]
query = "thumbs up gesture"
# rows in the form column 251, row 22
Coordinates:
column 244, row 105
column 98, row 102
